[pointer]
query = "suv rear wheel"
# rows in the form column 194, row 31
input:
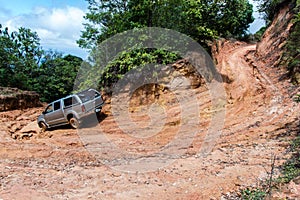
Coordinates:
column 74, row 122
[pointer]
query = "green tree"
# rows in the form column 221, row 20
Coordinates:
column 201, row 19
column 269, row 8
column 56, row 75
column 20, row 55
column 23, row 64
column 8, row 58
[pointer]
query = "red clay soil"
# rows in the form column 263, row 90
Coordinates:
column 61, row 163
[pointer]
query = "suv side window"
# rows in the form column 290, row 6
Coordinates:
column 49, row 109
column 70, row 101
column 57, row 105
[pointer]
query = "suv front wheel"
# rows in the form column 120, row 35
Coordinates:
column 74, row 122
column 43, row 126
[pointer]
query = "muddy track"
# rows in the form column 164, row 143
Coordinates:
column 259, row 124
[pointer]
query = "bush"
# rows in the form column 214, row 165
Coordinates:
column 253, row 194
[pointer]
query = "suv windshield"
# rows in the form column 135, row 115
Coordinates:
column 88, row 95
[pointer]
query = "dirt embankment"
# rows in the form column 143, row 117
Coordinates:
column 18, row 112
column 13, row 98
column 261, row 119
column 270, row 49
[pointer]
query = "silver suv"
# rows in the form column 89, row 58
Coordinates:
column 71, row 109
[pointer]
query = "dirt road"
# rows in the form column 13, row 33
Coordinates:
column 61, row 163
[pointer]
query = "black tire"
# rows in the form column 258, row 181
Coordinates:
column 98, row 114
column 74, row 122
column 43, row 126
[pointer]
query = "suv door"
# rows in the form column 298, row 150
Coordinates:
column 54, row 114
column 71, row 105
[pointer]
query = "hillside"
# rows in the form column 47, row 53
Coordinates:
column 90, row 163
column 259, row 123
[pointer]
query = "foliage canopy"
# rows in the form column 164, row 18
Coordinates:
column 25, row 65
column 202, row 20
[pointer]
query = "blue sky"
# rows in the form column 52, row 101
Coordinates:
column 258, row 22
column 57, row 22
column 25, row 6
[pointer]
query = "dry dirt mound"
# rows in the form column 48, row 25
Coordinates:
column 20, row 124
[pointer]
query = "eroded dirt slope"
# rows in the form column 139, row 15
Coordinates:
column 261, row 118
column 13, row 98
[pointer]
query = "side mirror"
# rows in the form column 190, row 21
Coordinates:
column 45, row 111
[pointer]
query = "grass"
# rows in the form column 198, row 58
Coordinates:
column 253, row 194
column 289, row 171
column 297, row 98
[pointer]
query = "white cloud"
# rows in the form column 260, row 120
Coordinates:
column 58, row 28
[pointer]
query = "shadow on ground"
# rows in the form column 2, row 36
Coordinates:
column 92, row 120
column 89, row 121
